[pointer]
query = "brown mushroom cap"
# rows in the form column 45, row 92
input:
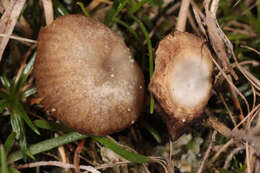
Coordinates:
column 181, row 82
column 87, row 76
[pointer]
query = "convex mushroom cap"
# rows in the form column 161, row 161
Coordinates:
column 87, row 76
column 181, row 82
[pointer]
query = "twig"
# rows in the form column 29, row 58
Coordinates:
column 231, row 83
column 199, row 16
column 248, row 166
column 221, row 150
column 254, row 97
column 240, row 31
column 58, row 164
column 192, row 23
column 216, row 35
column 252, row 79
column 257, row 113
column 257, row 165
column 160, row 162
column 145, row 168
column 76, row 155
column 220, row 127
column 207, row 152
column 230, row 156
column 171, row 163
column 218, row 38
column 249, row 136
column 248, row 62
column 250, row 48
column 62, row 154
column 248, row 116
column 227, row 108
column 173, row 8
column 109, row 165
column 182, row 17
column 18, row 38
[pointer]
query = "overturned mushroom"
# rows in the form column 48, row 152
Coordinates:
column 87, row 76
column 182, row 79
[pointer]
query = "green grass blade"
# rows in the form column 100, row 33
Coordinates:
column 4, row 95
column 156, row 2
column 47, row 145
column 83, row 9
column 153, row 132
column 251, row 19
column 9, row 142
column 3, row 105
column 130, row 29
column 258, row 12
column 5, row 82
column 151, row 104
column 59, row 8
column 13, row 170
column 150, row 53
column 110, row 14
column 138, row 6
column 27, row 69
column 23, row 147
column 29, row 92
column 133, row 157
column 132, row 3
column 51, row 126
column 4, row 167
column 256, row 42
column 18, row 129
column 114, row 11
column 15, row 123
column 237, row 37
column 123, row 4
column 149, row 43
column 106, row 142
column 236, row 4
column 20, row 110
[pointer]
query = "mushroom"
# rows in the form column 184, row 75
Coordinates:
column 181, row 82
column 87, row 76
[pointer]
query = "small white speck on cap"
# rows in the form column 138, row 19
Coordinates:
column 112, row 75
column 183, row 120
column 128, row 109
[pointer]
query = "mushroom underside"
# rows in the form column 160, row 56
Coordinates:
column 181, row 82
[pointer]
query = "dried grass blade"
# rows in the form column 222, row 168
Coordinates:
column 8, row 21
column 48, row 11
